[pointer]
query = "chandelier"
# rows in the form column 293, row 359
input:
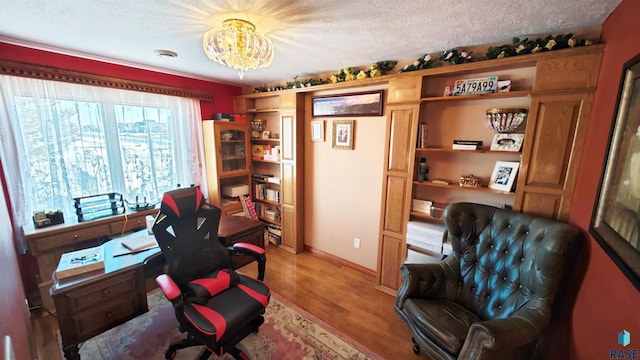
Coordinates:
column 237, row 45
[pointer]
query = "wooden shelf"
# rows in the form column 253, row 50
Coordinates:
column 478, row 151
column 269, row 221
column 226, row 158
column 264, row 181
column 265, row 161
column 426, row 216
column 258, row 111
column 498, row 95
column 264, row 140
column 458, row 187
column 265, row 201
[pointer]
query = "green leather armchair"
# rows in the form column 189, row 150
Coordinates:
column 492, row 298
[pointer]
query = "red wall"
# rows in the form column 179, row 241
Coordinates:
column 222, row 94
column 222, row 101
column 607, row 302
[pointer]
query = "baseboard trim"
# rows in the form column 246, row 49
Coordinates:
column 336, row 260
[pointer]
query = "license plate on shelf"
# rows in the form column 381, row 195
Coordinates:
column 486, row 85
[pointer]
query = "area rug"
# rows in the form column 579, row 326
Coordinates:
column 289, row 333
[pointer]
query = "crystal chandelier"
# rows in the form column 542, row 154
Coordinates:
column 238, row 46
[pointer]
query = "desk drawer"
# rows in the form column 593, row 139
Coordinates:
column 69, row 237
column 104, row 291
column 135, row 223
column 105, row 316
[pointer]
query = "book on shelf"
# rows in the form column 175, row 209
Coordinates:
column 248, row 207
column 421, row 141
column 263, row 177
column 464, row 147
column 141, row 242
column 466, row 144
column 80, row 262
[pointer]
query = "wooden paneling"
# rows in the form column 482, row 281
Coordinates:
column 568, row 73
column 392, row 248
column 400, row 137
column 288, row 101
column 547, row 205
column 554, row 141
column 402, row 121
column 288, row 186
column 395, row 216
column 287, row 127
column 289, row 230
column 404, row 89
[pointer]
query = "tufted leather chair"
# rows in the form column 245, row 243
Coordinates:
column 492, row 298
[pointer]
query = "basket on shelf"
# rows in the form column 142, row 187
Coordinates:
column 505, row 120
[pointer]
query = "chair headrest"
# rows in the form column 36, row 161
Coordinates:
column 182, row 202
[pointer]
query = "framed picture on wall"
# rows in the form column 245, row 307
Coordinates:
column 343, row 134
column 317, row 130
column 356, row 104
column 615, row 223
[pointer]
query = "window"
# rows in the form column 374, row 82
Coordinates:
column 61, row 141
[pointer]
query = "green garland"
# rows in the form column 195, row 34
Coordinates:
column 451, row 57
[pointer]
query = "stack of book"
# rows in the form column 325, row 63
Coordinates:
column 422, row 205
column 426, row 236
column 80, row 263
column 466, row 144
column 274, row 234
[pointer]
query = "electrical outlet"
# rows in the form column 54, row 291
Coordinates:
column 356, row 243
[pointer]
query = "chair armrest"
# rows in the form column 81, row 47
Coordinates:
column 423, row 281
column 168, row 287
column 503, row 338
column 256, row 252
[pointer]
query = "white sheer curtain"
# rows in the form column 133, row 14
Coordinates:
column 60, row 141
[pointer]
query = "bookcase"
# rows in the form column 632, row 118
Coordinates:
column 226, row 149
column 276, row 162
column 557, row 90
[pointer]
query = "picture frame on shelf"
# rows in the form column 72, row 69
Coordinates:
column 355, row 104
column 343, row 132
column 504, row 175
column 317, row 130
column 507, row 142
column 615, row 222
column 266, row 134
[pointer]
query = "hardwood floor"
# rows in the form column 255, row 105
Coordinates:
column 342, row 297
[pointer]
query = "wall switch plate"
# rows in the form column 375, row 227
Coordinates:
column 356, row 243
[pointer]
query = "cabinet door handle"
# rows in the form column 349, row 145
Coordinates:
column 108, row 314
column 105, row 292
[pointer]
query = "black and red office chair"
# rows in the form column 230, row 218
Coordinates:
column 216, row 306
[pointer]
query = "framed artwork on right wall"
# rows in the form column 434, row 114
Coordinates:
column 615, row 223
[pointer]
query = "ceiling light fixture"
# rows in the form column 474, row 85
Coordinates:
column 237, row 45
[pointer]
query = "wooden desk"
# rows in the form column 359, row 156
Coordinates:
column 92, row 305
column 48, row 244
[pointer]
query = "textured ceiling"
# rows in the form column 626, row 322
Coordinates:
column 309, row 36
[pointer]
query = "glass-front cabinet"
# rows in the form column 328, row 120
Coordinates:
column 233, row 149
column 227, row 163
